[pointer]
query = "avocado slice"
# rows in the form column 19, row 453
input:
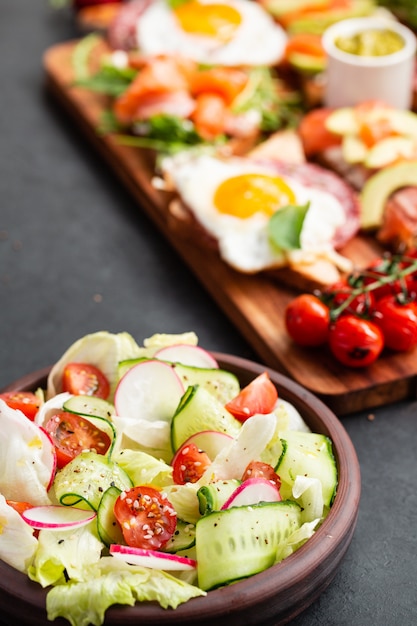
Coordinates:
column 378, row 189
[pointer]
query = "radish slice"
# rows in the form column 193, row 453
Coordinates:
column 152, row 558
column 187, row 355
column 150, row 390
column 55, row 517
column 252, row 491
column 211, row 441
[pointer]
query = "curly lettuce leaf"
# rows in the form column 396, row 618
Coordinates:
column 111, row 582
column 64, row 553
column 143, row 468
column 17, row 542
column 102, row 349
column 26, row 458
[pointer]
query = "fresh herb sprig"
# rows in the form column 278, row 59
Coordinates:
column 396, row 274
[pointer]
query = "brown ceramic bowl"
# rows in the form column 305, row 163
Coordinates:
column 270, row 598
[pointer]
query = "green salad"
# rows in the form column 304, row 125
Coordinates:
column 148, row 473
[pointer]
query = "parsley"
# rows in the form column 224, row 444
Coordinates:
column 265, row 93
column 109, row 80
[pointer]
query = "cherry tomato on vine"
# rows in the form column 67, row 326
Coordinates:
column 380, row 268
column 307, row 320
column 24, row 401
column 189, row 464
column 259, row 396
column 85, row 379
column 340, row 294
column 411, row 279
column 71, row 434
column 146, row 517
column 354, row 341
column 398, row 321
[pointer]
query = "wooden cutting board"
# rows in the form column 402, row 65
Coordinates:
column 255, row 304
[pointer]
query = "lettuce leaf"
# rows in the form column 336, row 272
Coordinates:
column 26, row 458
column 247, row 446
column 17, row 542
column 296, row 540
column 111, row 581
column 143, row 468
column 102, row 349
column 65, row 553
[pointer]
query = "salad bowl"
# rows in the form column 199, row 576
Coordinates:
column 270, row 598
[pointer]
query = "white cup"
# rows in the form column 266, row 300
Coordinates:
column 351, row 79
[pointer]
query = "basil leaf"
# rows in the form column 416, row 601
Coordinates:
column 284, row 227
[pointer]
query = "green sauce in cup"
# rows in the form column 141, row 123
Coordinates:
column 371, row 42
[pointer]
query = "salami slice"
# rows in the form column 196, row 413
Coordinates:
column 312, row 175
column 121, row 33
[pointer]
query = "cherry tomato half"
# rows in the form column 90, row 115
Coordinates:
column 259, row 396
column 86, row 380
column 146, row 517
column 258, row 469
column 398, row 322
column 71, row 434
column 24, row 401
column 354, row 341
column 307, row 320
column 189, row 464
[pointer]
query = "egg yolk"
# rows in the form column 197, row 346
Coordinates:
column 216, row 20
column 244, row 195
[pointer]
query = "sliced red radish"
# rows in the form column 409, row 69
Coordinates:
column 187, row 354
column 252, row 491
column 211, row 441
column 150, row 390
column 56, row 517
column 152, row 558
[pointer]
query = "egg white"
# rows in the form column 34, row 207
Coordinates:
column 257, row 41
column 244, row 243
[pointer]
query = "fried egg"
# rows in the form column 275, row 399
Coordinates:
column 234, row 199
column 213, row 32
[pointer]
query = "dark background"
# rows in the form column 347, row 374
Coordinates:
column 77, row 255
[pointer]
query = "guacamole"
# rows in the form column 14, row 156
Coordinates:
column 371, row 42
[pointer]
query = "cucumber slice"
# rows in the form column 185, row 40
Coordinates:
column 124, row 366
column 241, row 541
column 182, row 539
column 211, row 497
column 89, row 406
column 84, row 480
column 199, row 410
column 222, row 384
column 311, row 455
column 108, row 528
